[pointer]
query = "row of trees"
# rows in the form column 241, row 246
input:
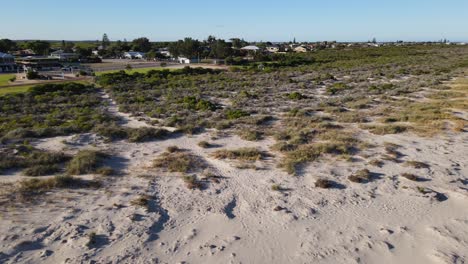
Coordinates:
column 38, row 46
column 188, row 47
column 209, row 48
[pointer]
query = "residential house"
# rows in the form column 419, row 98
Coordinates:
column 134, row 55
column 251, row 48
column 301, row 49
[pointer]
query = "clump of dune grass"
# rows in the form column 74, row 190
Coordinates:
column 276, row 187
column 105, row 171
column 172, row 149
column 245, row 154
column 391, row 152
column 92, row 240
column 34, row 162
column 376, row 163
column 191, row 182
column 386, row 129
column 142, row 201
column 38, row 186
column 311, row 152
column 416, row 164
column 85, row 161
column 251, row 135
column 323, row 183
column 143, row 134
column 410, row 176
column 360, row 176
column 41, row 170
column 204, row 144
column 179, row 161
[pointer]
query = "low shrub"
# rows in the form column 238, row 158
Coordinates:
column 38, row 186
column 85, row 161
column 410, row 176
column 323, row 183
column 191, row 182
column 360, row 176
column 246, row 154
column 179, row 161
column 204, row 144
column 416, row 164
column 142, row 201
column 235, row 114
column 251, row 135
column 41, row 170
column 143, row 134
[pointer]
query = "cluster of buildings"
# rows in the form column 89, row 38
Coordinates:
column 7, row 62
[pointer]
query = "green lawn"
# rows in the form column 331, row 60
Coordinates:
column 5, row 78
column 15, row 89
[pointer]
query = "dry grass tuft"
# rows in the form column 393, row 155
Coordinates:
column 323, row 183
column 39, row 186
column 179, row 161
column 142, row 201
column 191, row 182
column 85, row 161
column 410, row 176
column 416, row 164
column 244, row 154
column 360, row 176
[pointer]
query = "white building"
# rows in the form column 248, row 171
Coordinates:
column 251, row 48
column 184, row 60
column 134, row 55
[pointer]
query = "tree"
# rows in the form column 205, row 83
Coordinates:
column 238, row 43
column 188, row 47
column 84, row 52
column 7, row 45
column 105, row 41
column 211, row 40
column 67, row 46
column 141, row 44
column 39, row 47
column 220, row 49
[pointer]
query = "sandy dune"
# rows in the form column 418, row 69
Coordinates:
column 240, row 219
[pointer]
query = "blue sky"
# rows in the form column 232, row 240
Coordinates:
column 312, row 20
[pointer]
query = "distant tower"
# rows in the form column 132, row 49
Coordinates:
column 294, row 41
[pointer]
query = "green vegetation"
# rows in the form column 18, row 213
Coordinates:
column 85, row 161
column 245, row 154
column 38, row 186
column 34, row 162
column 51, row 110
column 5, row 79
column 15, row 89
column 179, row 161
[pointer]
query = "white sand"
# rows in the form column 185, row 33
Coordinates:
column 385, row 221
